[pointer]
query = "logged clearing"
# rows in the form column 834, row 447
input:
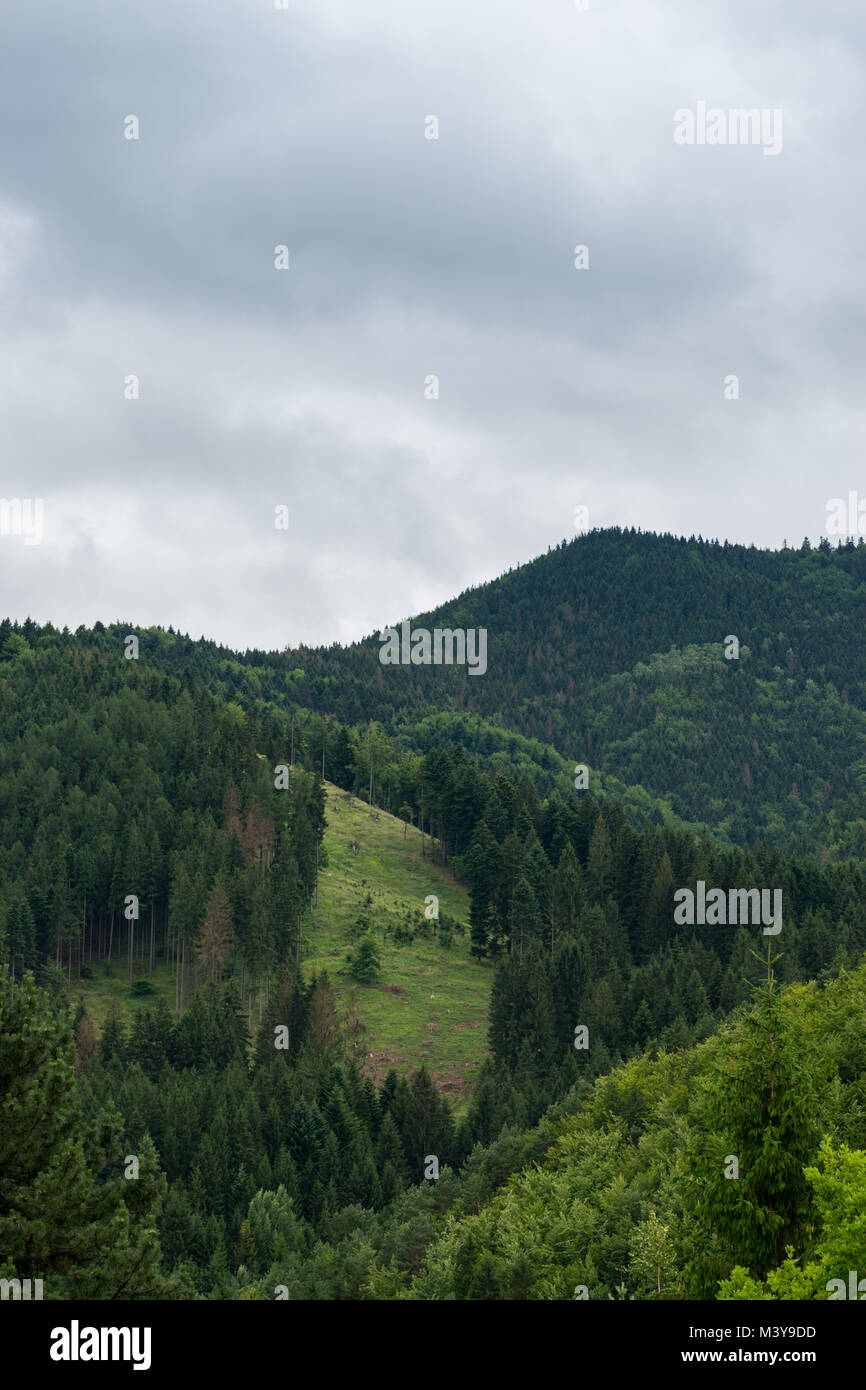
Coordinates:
column 375, row 867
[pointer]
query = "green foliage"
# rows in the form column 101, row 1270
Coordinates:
column 609, row 649
column 758, row 1108
column 67, row 1214
column 839, row 1185
column 613, row 1204
column 285, row 1165
column 652, row 1264
column 365, row 960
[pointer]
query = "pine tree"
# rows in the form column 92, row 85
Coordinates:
column 391, row 1158
column 659, row 912
column 86, row 1041
column 428, row 1127
column 20, row 936
column 113, row 1042
column 365, row 960
column 343, row 760
column 217, row 934
column 484, row 1283
column 759, row 1106
column 566, row 897
column 524, row 918
column 599, row 868
column 60, row 1220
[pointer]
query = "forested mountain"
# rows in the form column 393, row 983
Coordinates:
column 163, row 806
column 611, row 651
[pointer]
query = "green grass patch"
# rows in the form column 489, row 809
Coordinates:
column 402, row 1025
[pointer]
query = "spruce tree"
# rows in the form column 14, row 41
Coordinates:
column 759, row 1107
column 68, row 1214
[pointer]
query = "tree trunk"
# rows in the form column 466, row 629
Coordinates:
column 176, row 986
column 83, row 942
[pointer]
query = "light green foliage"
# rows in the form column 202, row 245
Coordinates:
column 652, row 1266
column 612, row 1204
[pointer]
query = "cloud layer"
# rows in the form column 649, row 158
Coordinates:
column 411, row 258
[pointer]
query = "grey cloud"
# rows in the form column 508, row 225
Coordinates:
column 410, row 257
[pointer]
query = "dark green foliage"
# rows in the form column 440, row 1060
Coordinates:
column 365, row 960
column 68, row 1215
column 607, row 650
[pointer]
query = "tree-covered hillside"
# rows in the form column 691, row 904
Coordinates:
column 733, row 1170
column 611, row 648
column 613, row 651
column 207, row 982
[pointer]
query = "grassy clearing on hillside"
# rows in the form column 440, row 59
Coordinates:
column 401, row 1029
column 106, row 985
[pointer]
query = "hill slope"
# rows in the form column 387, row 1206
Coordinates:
column 384, row 879
column 394, row 1022
column 625, row 1196
column 612, row 649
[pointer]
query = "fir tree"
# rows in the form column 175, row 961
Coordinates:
column 759, row 1107
column 67, row 1213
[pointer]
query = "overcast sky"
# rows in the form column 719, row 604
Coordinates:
column 411, row 257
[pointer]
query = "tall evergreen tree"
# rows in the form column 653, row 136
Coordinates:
column 67, row 1213
column 759, row 1108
